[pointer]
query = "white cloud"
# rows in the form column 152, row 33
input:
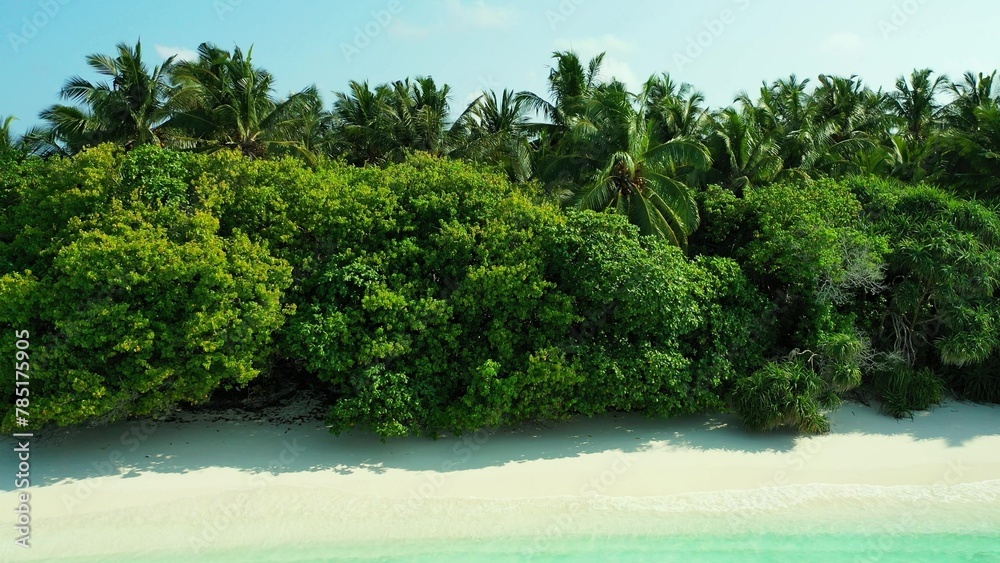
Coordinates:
column 480, row 14
column 182, row 54
column 464, row 15
column 615, row 68
column 403, row 30
column 842, row 43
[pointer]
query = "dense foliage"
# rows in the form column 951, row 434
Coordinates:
column 133, row 299
column 180, row 230
column 427, row 295
column 938, row 313
column 805, row 247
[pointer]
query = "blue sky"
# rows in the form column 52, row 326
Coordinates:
column 720, row 46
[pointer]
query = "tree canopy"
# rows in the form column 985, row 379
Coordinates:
column 172, row 231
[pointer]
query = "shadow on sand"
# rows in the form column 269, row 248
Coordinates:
column 228, row 439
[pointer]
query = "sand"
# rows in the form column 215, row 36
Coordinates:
column 204, row 483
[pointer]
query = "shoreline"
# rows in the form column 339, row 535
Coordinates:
column 219, row 480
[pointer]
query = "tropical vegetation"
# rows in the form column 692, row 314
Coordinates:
column 178, row 232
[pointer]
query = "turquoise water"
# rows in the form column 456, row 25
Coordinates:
column 793, row 523
column 772, row 548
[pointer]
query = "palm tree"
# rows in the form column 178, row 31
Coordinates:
column 675, row 110
column 853, row 124
column 967, row 152
column 915, row 103
column 745, row 151
column 363, row 130
column 418, row 111
column 48, row 140
column 7, row 140
column 909, row 158
column 129, row 110
column 850, row 109
column 626, row 170
column 569, row 84
column 381, row 125
column 226, row 103
column 309, row 128
column 494, row 131
column 784, row 112
column 976, row 91
column 969, row 157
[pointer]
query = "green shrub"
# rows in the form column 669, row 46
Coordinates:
column 428, row 296
column 940, row 308
column 806, row 247
column 157, row 177
column 134, row 302
column 435, row 297
column 429, row 275
column 47, row 199
column 978, row 382
column 658, row 333
column 902, row 389
column 736, row 328
column 785, row 394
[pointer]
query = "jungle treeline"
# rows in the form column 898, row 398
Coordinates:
column 177, row 232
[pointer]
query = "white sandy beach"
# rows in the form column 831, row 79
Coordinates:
column 216, row 481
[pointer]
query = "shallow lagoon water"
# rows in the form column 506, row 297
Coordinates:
column 777, row 548
column 821, row 523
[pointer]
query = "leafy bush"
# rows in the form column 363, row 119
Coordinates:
column 736, row 325
column 436, row 297
column 781, row 394
column 977, row 382
column 658, row 333
column 133, row 300
column 903, row 389
column 431, row 296
column 806, row 247
column 940, row 308
column 157, row 177
column 424, row 302
column 812, row 249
